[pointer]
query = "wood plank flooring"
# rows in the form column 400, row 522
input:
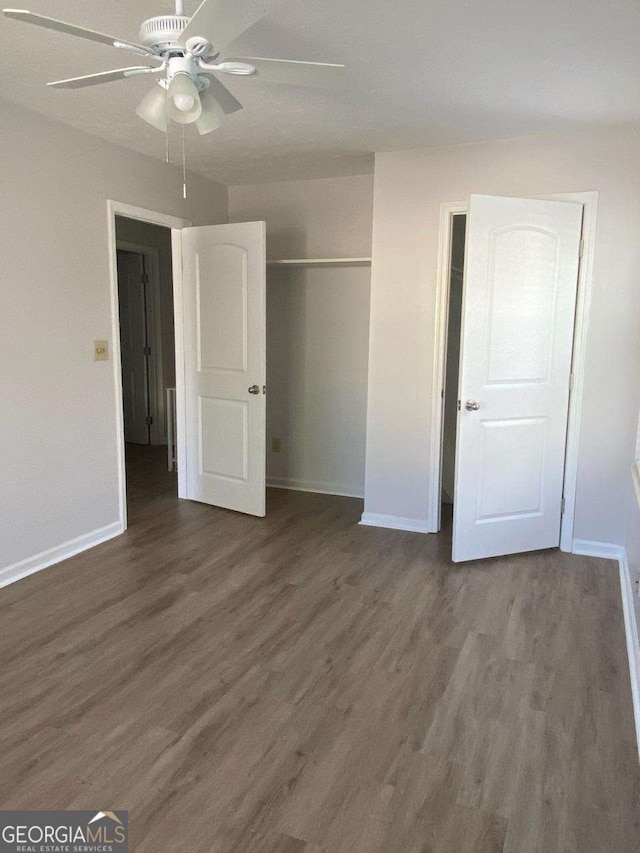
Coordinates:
column 299, row 684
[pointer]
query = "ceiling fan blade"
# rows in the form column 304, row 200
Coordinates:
column 71, row 29
column 222, row 21
column 224, row 97
column 291, row 71
column 102, row 77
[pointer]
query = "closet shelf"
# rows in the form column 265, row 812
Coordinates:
column 320, row 262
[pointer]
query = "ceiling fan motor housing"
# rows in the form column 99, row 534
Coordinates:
column 162, row 33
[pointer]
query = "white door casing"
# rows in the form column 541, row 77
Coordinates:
column 521, row 273
column 224, row 314
column 133, row 340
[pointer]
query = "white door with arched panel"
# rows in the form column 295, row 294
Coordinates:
column 224, row 323
column 520, row 285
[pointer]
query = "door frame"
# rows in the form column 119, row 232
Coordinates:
column 176, row 224
column 589, row 202
column 158, row 430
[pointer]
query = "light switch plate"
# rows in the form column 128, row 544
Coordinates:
column 101, row 350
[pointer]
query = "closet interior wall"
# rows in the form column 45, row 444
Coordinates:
column 317, row 329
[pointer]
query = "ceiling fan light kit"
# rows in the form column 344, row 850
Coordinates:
column 183, row 103
column 152, row 108
column 212, row 116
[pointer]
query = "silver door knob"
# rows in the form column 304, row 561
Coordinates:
column 254, row 389
column 472, row 406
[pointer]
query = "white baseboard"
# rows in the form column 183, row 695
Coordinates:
column 394, row 522
column 30, row 565
column 607, row 550
column 320, row 487
column 593, row 548
column 633, row 640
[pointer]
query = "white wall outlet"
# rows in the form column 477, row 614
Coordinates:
column 101, row 350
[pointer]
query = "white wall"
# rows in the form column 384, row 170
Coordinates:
column 318, row 328
column 324, row 218
column 58, row 425
column 409, row 188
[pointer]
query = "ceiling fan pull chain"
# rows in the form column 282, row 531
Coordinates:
column 184, row 167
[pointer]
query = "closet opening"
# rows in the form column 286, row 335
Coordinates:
column 317, row 367
column 452, row 364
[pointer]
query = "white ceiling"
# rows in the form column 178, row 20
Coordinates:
column 420, row 73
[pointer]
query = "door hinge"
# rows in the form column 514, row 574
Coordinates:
column 146, row 351
column 442, row 394
column 264, row 389
column 458, row 405
column 148, row 420
column 144, row 278
column 581, row 248
column 562, row 506
column 570, row 382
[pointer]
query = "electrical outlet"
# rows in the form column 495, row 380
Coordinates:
column 276, row 445
column 101, row 350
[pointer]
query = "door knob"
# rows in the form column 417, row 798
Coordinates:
column 472, row 406
column 254, row 389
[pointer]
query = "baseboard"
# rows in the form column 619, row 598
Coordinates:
column 633, row 641
column 394, row 522
column 30, row 565
column 320, row 487
column 607, row 550
column 593, row 548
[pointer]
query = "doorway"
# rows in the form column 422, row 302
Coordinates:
column 145, row 288
column 489, row 421
column 452, row 368
column 147, row 349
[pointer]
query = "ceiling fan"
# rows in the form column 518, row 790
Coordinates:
column 187, row 53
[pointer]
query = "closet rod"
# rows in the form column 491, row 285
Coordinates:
column 311, row 262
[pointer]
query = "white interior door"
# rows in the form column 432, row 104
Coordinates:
column 133, row 343
column 224, row 310
column 520, row 282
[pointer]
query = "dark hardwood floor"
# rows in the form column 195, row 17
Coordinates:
column 298, row 684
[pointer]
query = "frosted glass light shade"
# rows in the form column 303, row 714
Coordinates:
column 183, row 100
column 212, row 114
column 152, row 108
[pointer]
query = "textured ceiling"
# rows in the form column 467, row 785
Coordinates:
column 420, row 73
